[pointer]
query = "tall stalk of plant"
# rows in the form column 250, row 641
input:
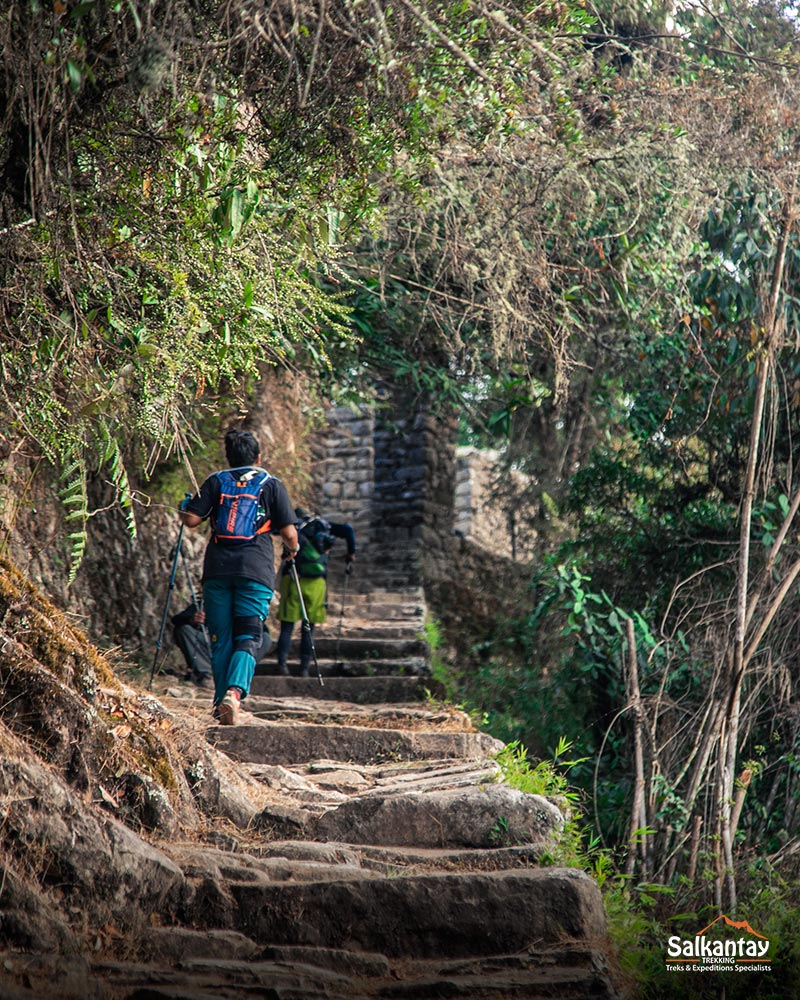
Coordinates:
column 772, row 334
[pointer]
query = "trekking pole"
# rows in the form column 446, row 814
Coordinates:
column 348, row 568
column 306, row 622
column 172, row 576
column 198, row 603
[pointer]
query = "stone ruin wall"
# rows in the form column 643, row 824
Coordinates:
column 490, row 505
column 389, row 471
column 343, row 473
column 393, row 471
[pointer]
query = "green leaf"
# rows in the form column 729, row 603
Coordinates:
column 75, row 75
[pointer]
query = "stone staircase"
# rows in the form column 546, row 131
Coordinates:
column 371, row 849
column 378, row 853
column 385, row 860
column 371, row 631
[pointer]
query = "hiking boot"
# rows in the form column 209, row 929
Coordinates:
column 228, row 708
column 203, row 681
column 304, row 669
column 283, row 668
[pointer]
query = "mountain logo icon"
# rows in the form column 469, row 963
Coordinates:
column 739, row 925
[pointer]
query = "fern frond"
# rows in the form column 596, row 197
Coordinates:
column 119, row 476
column 75, row 500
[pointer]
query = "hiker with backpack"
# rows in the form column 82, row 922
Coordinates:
column 244, row 505
column 316, row 537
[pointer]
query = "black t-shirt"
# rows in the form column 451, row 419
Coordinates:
column 254, row 560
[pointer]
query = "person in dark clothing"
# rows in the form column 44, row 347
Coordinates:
column 316, row 537
column 195, row 644
column 189, row 636
column 245, row 505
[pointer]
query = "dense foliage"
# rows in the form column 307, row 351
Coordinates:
column 575, row 223
column 178, row 182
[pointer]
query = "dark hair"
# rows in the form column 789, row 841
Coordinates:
column 241, row 448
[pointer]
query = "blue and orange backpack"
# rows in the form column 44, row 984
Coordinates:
column 241, row 516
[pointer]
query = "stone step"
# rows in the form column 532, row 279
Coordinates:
column 370, row 608
column 409, row 666
column 355, row 630
column 361, row 590
column 558, row 984
column 394, row 576
column 437, row 916
column 356, row 690
column 387, row 612
column 224, row 979
column 456, row 817
column 391, row 860
column 359, row 628
column 297, row 742
column 180, row 964
column 394, row 716
column 328, row 783
column 572, row 974
column 371, row 648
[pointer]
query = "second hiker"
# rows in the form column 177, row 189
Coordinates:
column 244, row 505
column 316, row 537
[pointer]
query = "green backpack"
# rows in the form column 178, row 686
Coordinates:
column 315, row 542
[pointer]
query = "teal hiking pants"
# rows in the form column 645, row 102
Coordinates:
column 235, row 612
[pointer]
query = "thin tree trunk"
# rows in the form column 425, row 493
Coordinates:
column 773, row 609
column 638, row 816
column 741, row 790
column 698, row 823
column 730, row 746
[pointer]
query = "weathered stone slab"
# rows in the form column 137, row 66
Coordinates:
column 432, row 916
column 490, row 816
column 394, row 858
column 385, row 689
column 302, row 789
column 172, row 945
column 226, row 866
column 214, row 979
column 438, row 780
column 347, row 963
column 366, row 629
column 576, row 984
column 309, row 850
column 360, row 666
column 366, row 666
column 276, row 743
column 392, row 716
column 381, row 649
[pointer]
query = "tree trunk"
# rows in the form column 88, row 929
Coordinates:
column 729, row 747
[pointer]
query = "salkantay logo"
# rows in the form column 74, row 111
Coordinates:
column 720, row 954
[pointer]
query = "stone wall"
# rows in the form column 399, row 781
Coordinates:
column 491, row 504
column 413, row 500
column 343, row 469
column 389, row 471
column 393, row 471
column 121, row 588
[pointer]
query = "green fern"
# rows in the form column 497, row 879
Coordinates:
column 75, row 500
column 112, row 458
